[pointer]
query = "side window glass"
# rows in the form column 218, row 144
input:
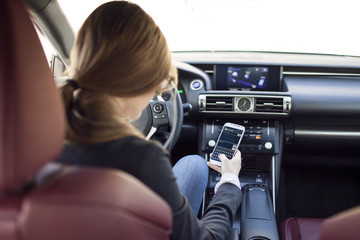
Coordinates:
column 56, row 65
column 57, row 68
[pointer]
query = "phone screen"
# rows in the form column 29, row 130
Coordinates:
column 227, row 143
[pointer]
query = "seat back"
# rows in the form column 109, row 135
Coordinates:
column 58, row 202
column 300, row 229
column 345, row 225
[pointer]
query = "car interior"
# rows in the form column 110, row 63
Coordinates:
column 300, row 151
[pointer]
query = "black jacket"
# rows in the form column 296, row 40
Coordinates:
column 149, row 162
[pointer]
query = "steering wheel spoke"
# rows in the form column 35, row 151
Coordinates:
column 160, row 115
column 151, row 132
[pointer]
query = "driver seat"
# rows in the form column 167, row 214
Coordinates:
column 58, row 201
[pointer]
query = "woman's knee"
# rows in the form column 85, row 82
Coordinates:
column 195, row 163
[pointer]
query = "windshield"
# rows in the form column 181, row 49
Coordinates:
column 296, row 26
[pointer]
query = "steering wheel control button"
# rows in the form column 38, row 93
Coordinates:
column 160, row 116
column 196, row 85
column 158, row 108
column 268, row 145
column 211, row 143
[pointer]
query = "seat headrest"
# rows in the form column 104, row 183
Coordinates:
column 31, row 115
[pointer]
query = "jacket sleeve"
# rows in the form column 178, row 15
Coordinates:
column 217, row 221
column 220, row 213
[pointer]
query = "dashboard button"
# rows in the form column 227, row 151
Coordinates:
column 211, row 143
column 259, row 179
column 268, row 145
column 196, row 85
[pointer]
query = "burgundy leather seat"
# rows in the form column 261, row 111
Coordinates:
column 59, row 202
column 300, row 229
column 345, row 225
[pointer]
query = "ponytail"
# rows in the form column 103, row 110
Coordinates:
column 91, row 116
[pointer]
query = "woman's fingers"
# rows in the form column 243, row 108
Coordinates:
column 231, row 166
column 222, row 157
column 238, row 154
column 215, row 167
column 228, row 166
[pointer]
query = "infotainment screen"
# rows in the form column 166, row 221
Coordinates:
column 247, row 78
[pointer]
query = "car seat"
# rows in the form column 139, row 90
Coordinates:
column 344, row 225
column 43, row 200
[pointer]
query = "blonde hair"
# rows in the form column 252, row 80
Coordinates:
column 119, row 52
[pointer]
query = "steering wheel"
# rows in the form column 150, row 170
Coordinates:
column 160, row 115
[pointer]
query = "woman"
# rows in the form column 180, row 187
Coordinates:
column 119, row 62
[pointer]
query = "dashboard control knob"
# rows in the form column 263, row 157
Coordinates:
column 268, row 145
column 211, row 143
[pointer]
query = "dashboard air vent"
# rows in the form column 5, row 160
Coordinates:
column 218, row 103
column 269, row 105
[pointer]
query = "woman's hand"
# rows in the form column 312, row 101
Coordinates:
column 228, row 166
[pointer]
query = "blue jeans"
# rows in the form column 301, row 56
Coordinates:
column 192, row 176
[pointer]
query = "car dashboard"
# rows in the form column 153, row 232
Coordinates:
column 314, row 96
column 290, row 104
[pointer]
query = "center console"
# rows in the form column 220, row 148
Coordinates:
column 260, row 148
column 257, row 216
column 251, row 96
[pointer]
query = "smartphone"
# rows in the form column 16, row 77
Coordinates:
column 228, row 142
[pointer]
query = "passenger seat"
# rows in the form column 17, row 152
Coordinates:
column 344, row 225
column 301, row 229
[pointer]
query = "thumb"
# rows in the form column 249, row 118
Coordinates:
column 222, row 157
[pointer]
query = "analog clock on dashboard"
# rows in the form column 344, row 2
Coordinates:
column 244, row 104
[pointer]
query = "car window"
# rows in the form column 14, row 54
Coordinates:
column 47, row 47
column 297, row 26
column 56, row 65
